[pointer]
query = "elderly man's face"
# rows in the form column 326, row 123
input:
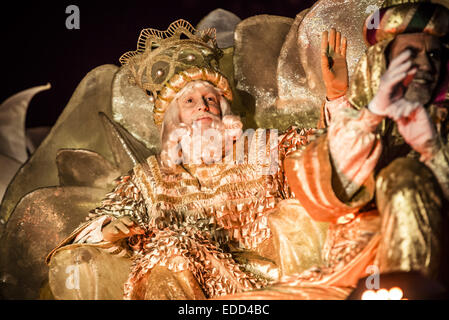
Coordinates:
column 200, row 104
column 426, row 58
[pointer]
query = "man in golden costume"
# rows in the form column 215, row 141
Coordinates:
column 380, row 175
column 274, row 71
column 213, row 226
column 186, row 225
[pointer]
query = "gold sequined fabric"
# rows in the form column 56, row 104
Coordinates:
column 366, row 78
column 439, row 165
column 411, row 205
column 195, row 211
column 193, row 215
column 125, row 200
column 188, row 248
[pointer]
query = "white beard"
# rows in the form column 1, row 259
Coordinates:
column 194, row 145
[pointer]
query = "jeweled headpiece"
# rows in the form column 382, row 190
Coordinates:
column 165, row 61
column 407, row 16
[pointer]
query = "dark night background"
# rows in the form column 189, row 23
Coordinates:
column 38, row 49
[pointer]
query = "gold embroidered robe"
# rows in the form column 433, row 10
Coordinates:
column 211, row 229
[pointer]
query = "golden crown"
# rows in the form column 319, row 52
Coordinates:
column 165, row 61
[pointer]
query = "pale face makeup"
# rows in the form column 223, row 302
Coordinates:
column 199, row 103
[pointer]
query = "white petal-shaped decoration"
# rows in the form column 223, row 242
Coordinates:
column 12, row 123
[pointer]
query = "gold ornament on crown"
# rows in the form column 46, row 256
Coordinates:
column 165, row 61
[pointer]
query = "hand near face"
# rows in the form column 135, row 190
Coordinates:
column 333, row 64
column 120, row 229
column 388, row 100
column 426, row 56
column 411, row 117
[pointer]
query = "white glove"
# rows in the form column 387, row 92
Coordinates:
column 402, row 108
column 419, row 132
column 388, row 101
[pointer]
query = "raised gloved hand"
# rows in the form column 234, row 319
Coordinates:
column 419, row 132
column 334, row 67
column 389, row 101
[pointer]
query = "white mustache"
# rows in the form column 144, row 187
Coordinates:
column 424, row 76
column 208, row 115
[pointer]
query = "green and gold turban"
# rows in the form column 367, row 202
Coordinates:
column 412, row 16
